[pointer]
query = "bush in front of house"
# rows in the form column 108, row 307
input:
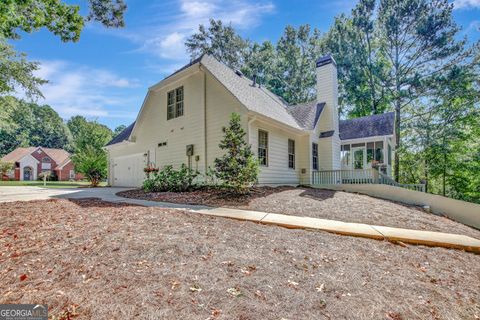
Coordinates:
column 169, row 179
column 238, row 169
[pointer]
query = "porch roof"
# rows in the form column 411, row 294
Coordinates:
column 369, row 126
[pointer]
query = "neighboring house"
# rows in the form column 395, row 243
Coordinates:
column 182, row 117
column 29, row 162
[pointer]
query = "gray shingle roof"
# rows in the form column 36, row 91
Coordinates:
column 307, row 114
column 122, row 136
column 255, row 98
column 369, row 126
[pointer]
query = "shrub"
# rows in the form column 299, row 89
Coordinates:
column 5, row 168
column 92, row 164
column 169, row 179
column 237, row 169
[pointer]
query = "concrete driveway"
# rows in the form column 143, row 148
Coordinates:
column 25, row 193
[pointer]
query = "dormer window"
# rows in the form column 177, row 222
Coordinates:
column 175, row 103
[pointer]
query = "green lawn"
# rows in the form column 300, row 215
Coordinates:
column 50, row 184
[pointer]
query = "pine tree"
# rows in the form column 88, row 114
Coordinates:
column 238, row 168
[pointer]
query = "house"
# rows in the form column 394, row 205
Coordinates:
column 30, row 162
column 182, row 117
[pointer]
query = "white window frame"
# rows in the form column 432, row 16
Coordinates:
column 263, row 146
column 175, row 103
column 315, row 156
column 291, row 153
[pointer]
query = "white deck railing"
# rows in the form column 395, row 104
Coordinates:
column 359, row 176
column 384, row 179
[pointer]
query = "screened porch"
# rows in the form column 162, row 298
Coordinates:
column 363, row 154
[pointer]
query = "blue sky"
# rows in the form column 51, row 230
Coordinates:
column 106, row 74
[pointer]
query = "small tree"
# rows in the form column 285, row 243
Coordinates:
column 238, row 168
column 5, row 167
column 92, row 164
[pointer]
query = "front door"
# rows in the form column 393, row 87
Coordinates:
column 358, row 158
column 27, row 173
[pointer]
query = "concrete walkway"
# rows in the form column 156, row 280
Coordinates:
column 398, row 235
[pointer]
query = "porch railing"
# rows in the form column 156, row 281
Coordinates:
column 384, row 179
column 359, row 176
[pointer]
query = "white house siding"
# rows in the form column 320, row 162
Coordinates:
column 277, row 172
column 327, row 91
column 153, row 127
column 220, row 105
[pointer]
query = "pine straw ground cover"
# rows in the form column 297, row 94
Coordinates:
column 317, row 203
column 89, row 259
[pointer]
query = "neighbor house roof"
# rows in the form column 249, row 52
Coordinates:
column 369, row 126
column 307, row 114
column 122, row 136
column 18, row 154
column 57, row 155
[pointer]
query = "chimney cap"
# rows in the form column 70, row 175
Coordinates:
column 326, row 60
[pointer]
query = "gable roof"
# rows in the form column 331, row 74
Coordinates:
column 307, row 114
column 255, row 98
column 122, row 136
column 57, row 155
column 369, row 126
column 18, row 154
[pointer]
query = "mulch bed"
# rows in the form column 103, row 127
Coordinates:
column 316, row 203
column 89, row 259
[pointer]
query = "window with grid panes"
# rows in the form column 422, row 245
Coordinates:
column 291, row 154
column 263, row 147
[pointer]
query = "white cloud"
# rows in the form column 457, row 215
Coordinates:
column 86, row 91
column 164, row 36
column 463, row 4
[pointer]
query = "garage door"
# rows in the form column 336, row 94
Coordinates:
column 128, row 170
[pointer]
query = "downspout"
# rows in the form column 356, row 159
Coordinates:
column 205, row 119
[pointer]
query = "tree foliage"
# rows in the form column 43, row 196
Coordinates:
column 5, row 167
column 88, row 133
column 286, row 68
column 17, row 72
column 92, row 164
column 354, row 42
column 442, row 137
column 24, row 124
column 118, row 130
column 89, row 138
column 60, row 18
column 238, row 168
column 220, row 41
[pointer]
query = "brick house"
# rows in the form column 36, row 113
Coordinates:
column 30, row 162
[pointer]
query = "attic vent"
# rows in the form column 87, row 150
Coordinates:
column 238, row 73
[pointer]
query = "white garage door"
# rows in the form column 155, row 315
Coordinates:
column 128, row 170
